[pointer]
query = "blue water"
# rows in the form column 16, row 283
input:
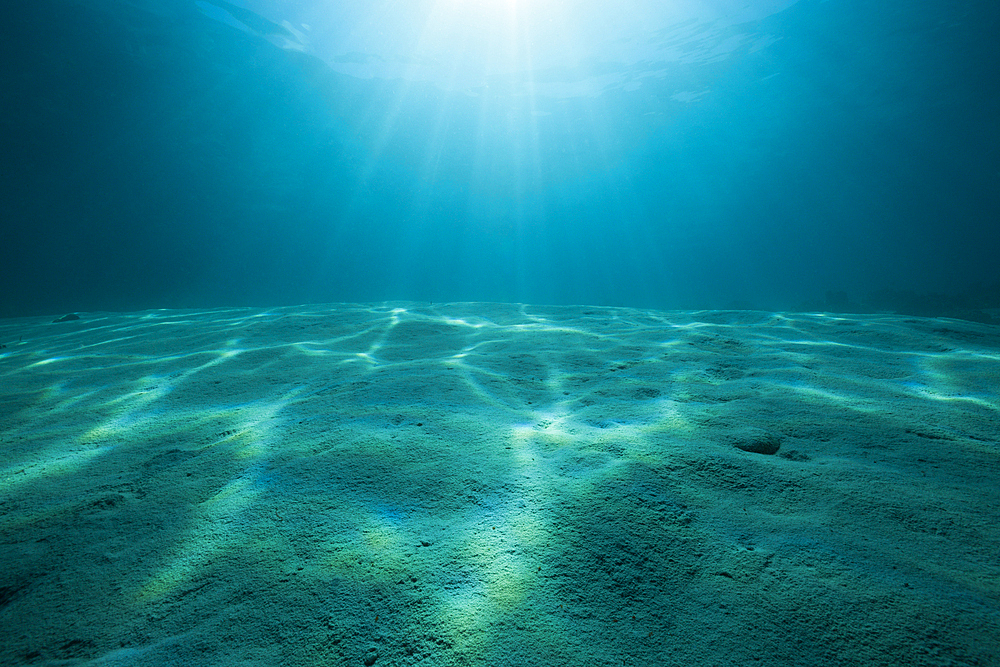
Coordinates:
column 779, row 154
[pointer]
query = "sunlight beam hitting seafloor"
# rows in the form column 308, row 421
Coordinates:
column 467, row 483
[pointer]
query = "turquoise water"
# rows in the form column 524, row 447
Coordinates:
column 296, row 447
column 778, row 155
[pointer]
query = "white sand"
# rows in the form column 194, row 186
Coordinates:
column 481, row 484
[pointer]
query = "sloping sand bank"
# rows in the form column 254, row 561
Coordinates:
column 483, row 484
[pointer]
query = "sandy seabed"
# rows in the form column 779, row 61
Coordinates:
column 490, row 484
